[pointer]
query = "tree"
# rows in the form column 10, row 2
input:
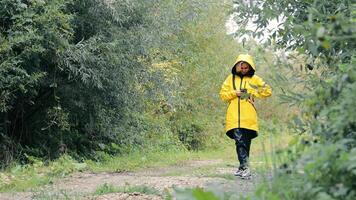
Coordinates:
column 325, row 32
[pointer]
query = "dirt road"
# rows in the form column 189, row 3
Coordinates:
column 213, row 175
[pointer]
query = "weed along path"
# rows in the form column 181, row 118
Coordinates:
column 152, row 183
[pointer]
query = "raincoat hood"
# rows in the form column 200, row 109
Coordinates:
column 244, row 58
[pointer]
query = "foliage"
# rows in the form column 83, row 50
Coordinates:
column 207, row 59
column 306, row 27
column 323, row 172
column 82, row 77
column 197, row 193
column 321, row 35
column 59, row 89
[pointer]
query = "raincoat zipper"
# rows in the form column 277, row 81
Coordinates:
column 238, row 106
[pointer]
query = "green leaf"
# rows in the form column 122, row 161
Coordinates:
column 200, row 194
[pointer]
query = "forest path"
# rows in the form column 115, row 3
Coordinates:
column 211, row 174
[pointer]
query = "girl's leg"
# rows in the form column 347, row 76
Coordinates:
column 243, row 144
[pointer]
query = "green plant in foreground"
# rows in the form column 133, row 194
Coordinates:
column 198, row 194
column 204, row 194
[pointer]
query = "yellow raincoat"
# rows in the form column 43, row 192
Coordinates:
column 241, row 112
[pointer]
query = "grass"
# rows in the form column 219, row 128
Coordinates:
column 61, row 195
column 23, row 177
column 141, row 160
column 109, row 188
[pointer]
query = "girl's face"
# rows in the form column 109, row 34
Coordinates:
column 243, row 67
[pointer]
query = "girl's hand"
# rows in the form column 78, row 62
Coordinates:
column 238, row 93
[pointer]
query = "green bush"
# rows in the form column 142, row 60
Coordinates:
column 81, row 77
column 191, row 134
column 323, row 172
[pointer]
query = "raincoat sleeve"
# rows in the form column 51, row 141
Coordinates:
column 227, row 93
column 260, row 89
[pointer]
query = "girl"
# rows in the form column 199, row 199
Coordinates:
column 240, row 89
